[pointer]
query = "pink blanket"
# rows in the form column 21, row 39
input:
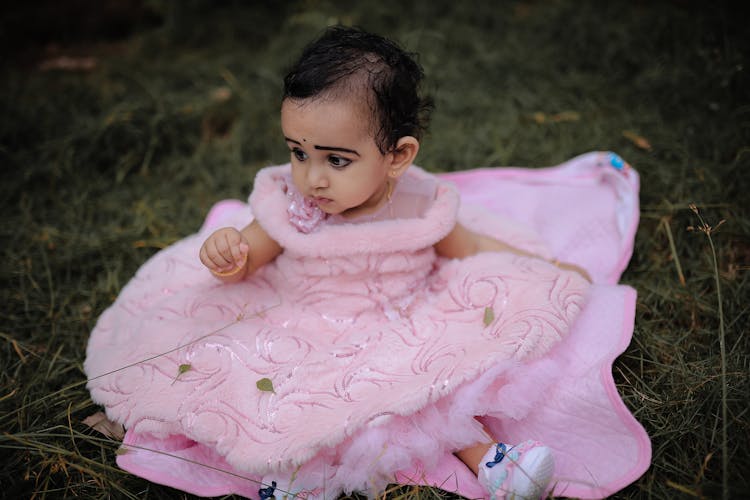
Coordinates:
column 550, row 380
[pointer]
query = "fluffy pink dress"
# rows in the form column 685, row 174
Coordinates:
column 378, row 353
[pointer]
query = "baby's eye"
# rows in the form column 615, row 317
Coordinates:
column 299, row 154
column 338, row 161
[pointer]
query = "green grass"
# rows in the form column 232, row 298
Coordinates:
column 103, row 167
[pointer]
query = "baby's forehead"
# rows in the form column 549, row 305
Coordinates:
column 345, row 113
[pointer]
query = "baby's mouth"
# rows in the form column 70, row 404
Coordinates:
column 321, row 200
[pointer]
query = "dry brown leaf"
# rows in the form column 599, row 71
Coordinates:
column 67, row 63
column 636, row 139
column 561, row 117
column 221, row 94
column 100, row 423
column 566, row 116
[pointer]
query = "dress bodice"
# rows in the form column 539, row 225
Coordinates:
column 375, row 264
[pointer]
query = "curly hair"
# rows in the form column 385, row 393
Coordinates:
column 350, row 62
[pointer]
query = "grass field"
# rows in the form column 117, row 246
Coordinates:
column 120, row 128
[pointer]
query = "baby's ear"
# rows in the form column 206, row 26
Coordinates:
column 403, row 155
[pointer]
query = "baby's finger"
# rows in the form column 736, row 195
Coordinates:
column 216, row 254
column 207, row 259
column 203, row 256
column 239, row 253
column 224, row 246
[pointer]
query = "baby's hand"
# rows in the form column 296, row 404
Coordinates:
column 225, row 251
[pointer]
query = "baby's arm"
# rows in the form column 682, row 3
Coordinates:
column 462, row 242
column 231, row 254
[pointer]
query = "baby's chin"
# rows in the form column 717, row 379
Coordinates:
column 329, row 206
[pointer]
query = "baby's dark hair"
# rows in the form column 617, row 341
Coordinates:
column 351, row 62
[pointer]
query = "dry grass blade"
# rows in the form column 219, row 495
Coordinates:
column 708, row 231
column 673, row 249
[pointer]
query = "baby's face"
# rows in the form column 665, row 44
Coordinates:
column 335, row 160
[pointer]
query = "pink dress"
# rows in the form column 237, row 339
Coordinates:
column 357, row 357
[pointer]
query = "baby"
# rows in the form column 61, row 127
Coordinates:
column 352, row 118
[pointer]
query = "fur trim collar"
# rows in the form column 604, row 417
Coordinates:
column 269, row 205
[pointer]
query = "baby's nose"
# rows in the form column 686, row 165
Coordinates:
column 316, row 176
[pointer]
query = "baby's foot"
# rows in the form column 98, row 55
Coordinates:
column 516, row 472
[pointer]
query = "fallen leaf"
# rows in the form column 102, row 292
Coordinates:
column 489, row 316
column 221, row 94
column 636, row 139
column 183, row 368
column 566, row 116
column 121, row 450
column 100, row 423
column 561, row 117
column 539, row 117
column 68, row 63
column 265, row 385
